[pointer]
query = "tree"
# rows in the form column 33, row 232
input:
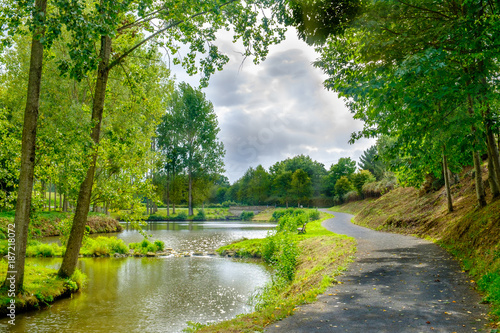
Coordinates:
column 189, row 22
column 301, row 186
column 191, row 119
column 408, row 66
column 344, row 167
column 361, row 178
column 342, row 187
column 23, row 203
column 371, row 162
column 282, row 184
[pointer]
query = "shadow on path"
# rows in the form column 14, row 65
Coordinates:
column 396, row 284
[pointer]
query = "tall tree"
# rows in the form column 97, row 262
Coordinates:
column 189, row 22
column 191, row 119
column 23, row 203
column 301, row 186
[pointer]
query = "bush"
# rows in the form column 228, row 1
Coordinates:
column 182, row 216
column 200, row 216
column 377, row 189
column 277, row 214
column 146, row 246
column 38, row 249
column 352, row 196
column 246, row 216
column 314, row 215
column 103, row 246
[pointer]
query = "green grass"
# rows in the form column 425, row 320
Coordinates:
column 323, row 255
column 41, row 287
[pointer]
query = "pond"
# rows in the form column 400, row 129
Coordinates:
column 157, row 294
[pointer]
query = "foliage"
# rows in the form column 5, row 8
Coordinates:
column 371, row 161
column 146, row 246
column 38, row 249
column 187, row 136
column 103, row 246
column 361, row 178
column 246, row 216
column 342, row 186
column 278, row 213
column 314, row 215
column 181, row 216
column 200, row 215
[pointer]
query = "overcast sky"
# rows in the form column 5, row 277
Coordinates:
column 278, row 109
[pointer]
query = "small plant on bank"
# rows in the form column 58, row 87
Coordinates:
column 246, row 216
column 103, row 246
column 314, row 215
column 200, row 216
column 146, row 246
column 182, row 216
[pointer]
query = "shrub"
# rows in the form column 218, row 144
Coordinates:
column 146, row 246
column 38, row 249
column 246, row 216
column 314, row 215
column 182, row 216
column 160, row 245
column 103, row 246
column 200, row 216
column 277, row 214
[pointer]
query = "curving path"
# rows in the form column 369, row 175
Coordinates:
column 396, row 284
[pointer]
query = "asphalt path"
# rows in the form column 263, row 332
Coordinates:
column 395, row 284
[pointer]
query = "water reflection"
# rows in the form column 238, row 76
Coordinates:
column 155, row 294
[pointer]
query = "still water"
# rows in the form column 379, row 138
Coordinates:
column 157, row 294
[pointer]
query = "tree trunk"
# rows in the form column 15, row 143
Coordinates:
column 15, row 270
column 60, row 201
column 42, row 193
column 70, row 259
column 190, row 194
column 447, row 183
column 493, row 153
column 65, row 203
column 50, row 196
column 495, row 190
column 168, row 196
column 481, row 197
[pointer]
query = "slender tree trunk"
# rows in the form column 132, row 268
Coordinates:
column 60, row 200
column 42, row 192
column 495, row 190
column 70, row 259
column 447, row 183
column 493, row 153
column 481, row 197
column 173, row 207
column 190, row 194
column 168, row 195
column 65, row 203
column 15, row 273
column 50, row 195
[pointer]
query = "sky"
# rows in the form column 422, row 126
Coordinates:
column 277, row 109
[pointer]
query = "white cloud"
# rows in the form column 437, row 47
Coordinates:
column 278, row 109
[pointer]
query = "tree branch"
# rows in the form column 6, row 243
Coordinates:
column 424, row 9
column 145, row 40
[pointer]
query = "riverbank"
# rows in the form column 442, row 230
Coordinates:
column 46, row 224
column 468, row 233
column 323, row 255
column 41, row 288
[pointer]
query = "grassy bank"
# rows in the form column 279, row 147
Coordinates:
column 322, row 255
column 44, row 224
column 470, row 234
column 41, row 287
